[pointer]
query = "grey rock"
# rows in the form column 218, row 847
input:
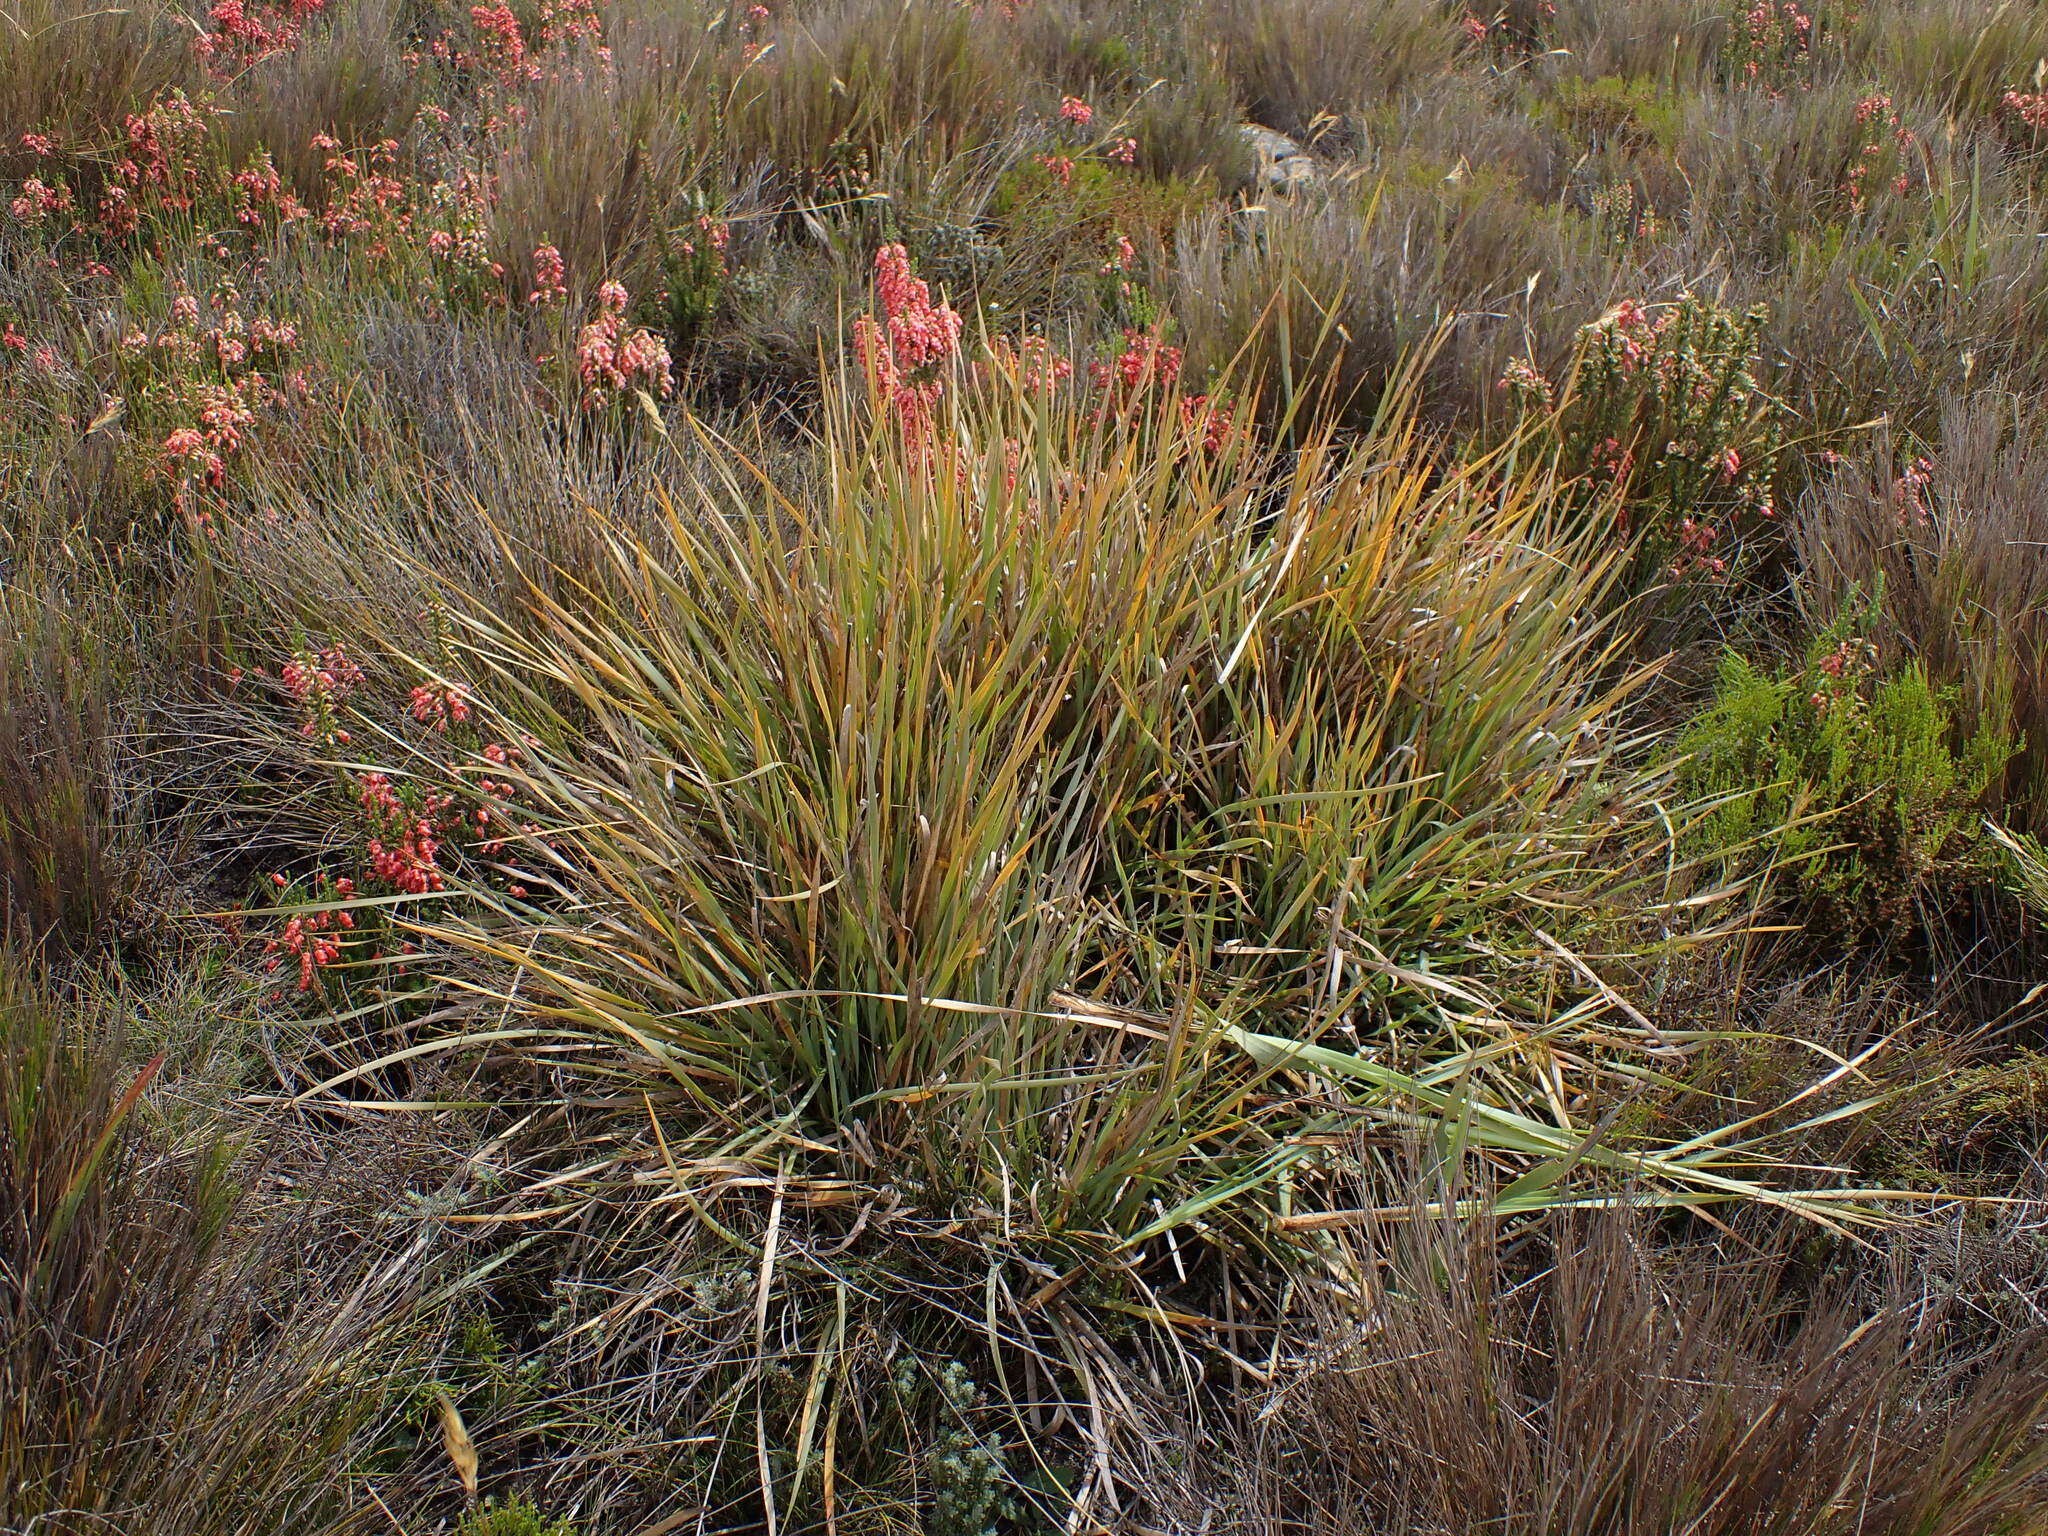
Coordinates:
column 1283, row 164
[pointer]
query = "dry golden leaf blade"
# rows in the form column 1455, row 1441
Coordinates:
column 455, row 1439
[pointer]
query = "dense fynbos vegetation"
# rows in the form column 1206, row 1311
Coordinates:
column 895, row 765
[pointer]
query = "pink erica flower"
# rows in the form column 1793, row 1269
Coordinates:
column 550, row 277
column 610, row 359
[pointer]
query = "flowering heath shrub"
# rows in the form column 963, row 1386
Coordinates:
column 499, row 54
column 902, row 350
column 2023, row 118
column 1032, row 361
column 614, row 359
column 1122, row 290
column 400, row 832
column 242, row 34
column 1666, row 414
column 1771, row 45
column 163, row 179
column 162, row 169
column 198, row 383
column 550, row 277
column 315, row 682
column 693, row 270
column 1883, row 160
column 367, row 201
column 165, row 186
column 1624, row 216
column 1145, row 364
column 1517, row 30
column 910, row 351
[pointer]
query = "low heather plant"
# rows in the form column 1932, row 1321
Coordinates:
column 1855, row 772
column 1937, row 543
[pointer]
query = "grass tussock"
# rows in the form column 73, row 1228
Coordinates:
column 1030, row 744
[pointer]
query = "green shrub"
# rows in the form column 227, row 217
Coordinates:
column 968, row 1474
column 512, row 1517
column 1855, row 775
column 1632, row 114
column 1940, row 535
column 1059, row 226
